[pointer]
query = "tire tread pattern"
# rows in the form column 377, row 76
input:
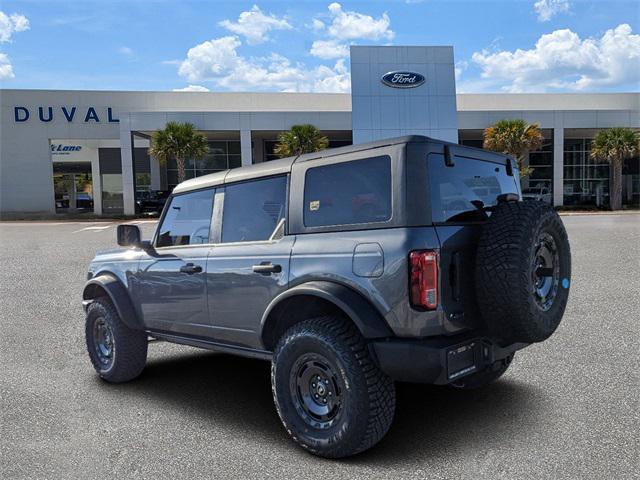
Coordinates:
column 130, row 345
column 503, row 281
column 380, row 389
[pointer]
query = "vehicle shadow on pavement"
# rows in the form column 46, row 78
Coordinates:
column 430, row 422
column 434, row 422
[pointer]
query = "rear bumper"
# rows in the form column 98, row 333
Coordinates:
column 438, row 360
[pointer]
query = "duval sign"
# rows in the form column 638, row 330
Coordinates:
column 66, row 113
column 401, row 79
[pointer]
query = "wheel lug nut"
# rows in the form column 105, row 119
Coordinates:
column 313, row 385
column 316, row 395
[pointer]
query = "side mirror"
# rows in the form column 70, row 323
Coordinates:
column 129, row 236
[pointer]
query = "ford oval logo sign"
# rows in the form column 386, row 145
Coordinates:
column 402, row 79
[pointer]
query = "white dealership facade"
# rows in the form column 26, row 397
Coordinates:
column 71, row 150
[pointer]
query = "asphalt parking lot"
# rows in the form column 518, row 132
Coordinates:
column 567, row 408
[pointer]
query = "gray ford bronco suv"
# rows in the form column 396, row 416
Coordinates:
column 408, row 259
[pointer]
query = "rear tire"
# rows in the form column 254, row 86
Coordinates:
column 330, row 396
column 117, row 352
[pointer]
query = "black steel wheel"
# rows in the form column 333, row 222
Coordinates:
column 545, row 271
column 316, row 390
column 117, row 352
column 103, row 342
column 330, row 395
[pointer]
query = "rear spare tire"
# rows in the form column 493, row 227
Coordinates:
column 523, row 271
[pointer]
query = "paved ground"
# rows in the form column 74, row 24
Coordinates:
column 568, row 408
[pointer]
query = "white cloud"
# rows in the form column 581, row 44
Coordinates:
column 219, row 62
column 546, row 9
column 254, row 25
column 328, row 49
column 6, row 70
column 347, row 25
column 125, row 51
column 210, row 59
column 562, row 60
column 192, row 88
column 317, row 25
column 10, row 24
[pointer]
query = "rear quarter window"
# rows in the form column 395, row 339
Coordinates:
column 458, row 193
column 347, row 193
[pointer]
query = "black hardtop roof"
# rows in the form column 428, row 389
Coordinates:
column 283, row 165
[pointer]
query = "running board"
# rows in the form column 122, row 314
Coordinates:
column 210, row 345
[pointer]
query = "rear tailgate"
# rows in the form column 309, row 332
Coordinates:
column 460, row 193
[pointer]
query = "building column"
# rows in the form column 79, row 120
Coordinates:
column 245, row 148
column 96, row 184
column 154, row 166
column 558, row 166
column 126, row 158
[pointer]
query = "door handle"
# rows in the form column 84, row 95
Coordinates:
column 267, row 268
column 190, row 268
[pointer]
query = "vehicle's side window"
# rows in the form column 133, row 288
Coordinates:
column 254, row 210
column 188, row 219
column 346, row 193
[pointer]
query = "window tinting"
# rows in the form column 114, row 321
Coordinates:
column 458, row 193
column 187, row 220
column 253, row 210
column 347, row 193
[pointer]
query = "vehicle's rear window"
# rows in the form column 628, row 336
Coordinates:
column 460, row 192
column 348, row 193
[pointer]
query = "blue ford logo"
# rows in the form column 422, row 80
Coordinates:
column 402, row 79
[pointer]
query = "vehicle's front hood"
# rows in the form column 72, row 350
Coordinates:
column 117, row 254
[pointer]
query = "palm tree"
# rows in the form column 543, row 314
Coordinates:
column 614, row 146
column 180, row 141
column 300, row 139
column 515, row 138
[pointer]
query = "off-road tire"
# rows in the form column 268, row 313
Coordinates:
column 368, row 395
column 484, row 377
column 129, row 354
column 507, row 260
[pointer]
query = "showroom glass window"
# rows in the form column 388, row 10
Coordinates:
column 348, row 193
column 254, row 210
column 188, row 219
column 222, row 156
column 542, row 163
column 586, row 181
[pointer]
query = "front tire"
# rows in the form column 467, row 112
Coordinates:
column 330, row 396
column 117, row 352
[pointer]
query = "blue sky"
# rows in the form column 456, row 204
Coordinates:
column 500, row 46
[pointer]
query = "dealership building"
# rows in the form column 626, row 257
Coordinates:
column 69, row 151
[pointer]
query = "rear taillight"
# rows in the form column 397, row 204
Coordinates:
column 423, row 279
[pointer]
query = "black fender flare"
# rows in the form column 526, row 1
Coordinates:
column 118, row 295
column 364, row 315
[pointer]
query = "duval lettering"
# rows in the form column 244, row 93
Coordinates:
column 66, row 113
